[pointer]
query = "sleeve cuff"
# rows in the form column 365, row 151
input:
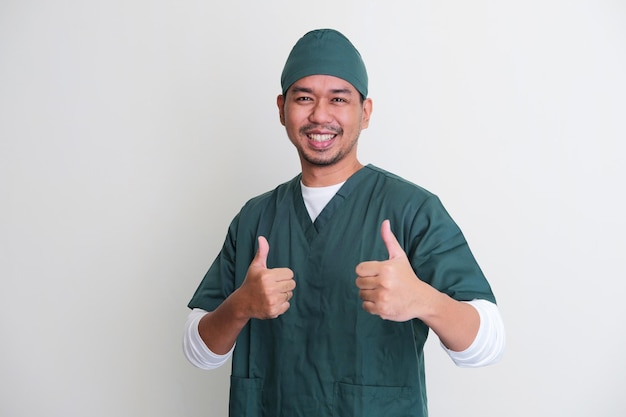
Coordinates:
column 488, row 346
column 194, row 348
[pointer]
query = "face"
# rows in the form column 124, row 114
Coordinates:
column 324, row 116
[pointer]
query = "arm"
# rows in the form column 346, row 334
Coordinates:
column 194, row 348
column 455, row 323
column 488, row 346
column 219, row 328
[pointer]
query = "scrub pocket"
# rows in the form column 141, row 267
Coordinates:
column 245, row 397
column 373, row 401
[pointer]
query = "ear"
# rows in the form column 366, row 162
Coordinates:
column 367, row 113
column 280, row 102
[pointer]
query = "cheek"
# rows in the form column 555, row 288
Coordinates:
column 293, row 122
column 293, row 130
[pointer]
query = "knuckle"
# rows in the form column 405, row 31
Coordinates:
column 387, row 269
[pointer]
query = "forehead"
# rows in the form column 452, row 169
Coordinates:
column 320, row 84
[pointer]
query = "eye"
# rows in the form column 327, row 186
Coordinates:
column 339, row 100
column 303, row 98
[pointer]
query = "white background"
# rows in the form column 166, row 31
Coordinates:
column 131, row 131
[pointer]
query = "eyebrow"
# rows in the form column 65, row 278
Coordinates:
column 297, row 89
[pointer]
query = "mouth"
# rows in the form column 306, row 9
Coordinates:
column 321, row 137
column 321, row 142
column 318, row 137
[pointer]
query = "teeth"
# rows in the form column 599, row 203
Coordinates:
column 321, row 138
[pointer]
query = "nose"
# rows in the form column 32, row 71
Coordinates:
column 321, row 113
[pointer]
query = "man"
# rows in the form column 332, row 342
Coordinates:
column 326, row 287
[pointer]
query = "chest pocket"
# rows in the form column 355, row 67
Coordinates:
column 376, row 401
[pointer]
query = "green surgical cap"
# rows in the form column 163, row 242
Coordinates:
column 325, row 52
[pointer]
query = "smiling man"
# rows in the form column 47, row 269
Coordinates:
column 326, row 287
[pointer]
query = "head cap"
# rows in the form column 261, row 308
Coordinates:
column 325, row 52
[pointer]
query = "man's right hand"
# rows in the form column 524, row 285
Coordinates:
column 264, row 294
column 266, row 291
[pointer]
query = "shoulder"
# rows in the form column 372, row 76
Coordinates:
column 397, row 187
column 272, row 197
column 405, row 202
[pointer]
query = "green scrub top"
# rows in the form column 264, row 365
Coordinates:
column 326, row 356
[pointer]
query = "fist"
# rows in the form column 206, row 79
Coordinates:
column 390, row 288
column 267, row 291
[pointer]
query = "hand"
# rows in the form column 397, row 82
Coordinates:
column 266, row 292
column 390, row 289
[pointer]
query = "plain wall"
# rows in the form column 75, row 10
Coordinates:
column 131, row 132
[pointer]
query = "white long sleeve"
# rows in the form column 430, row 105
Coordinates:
column 196, row 351
column 488, row 346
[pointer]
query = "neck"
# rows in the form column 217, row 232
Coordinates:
column 323, row 176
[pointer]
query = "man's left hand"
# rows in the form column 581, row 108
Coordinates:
column 390, row 289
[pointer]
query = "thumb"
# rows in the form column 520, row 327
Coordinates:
column 393, row 247
column 260, row 259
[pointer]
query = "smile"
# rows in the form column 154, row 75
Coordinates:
column 321, row 137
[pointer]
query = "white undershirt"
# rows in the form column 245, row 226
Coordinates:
column 487, row 348
column 316, row 198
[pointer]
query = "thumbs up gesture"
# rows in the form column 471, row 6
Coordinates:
column 266, row 292
column 390, row 289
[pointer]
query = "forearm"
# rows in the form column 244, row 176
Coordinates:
column 455, row 323
column 194, row 348
column 489, row 344
column 220, row 328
